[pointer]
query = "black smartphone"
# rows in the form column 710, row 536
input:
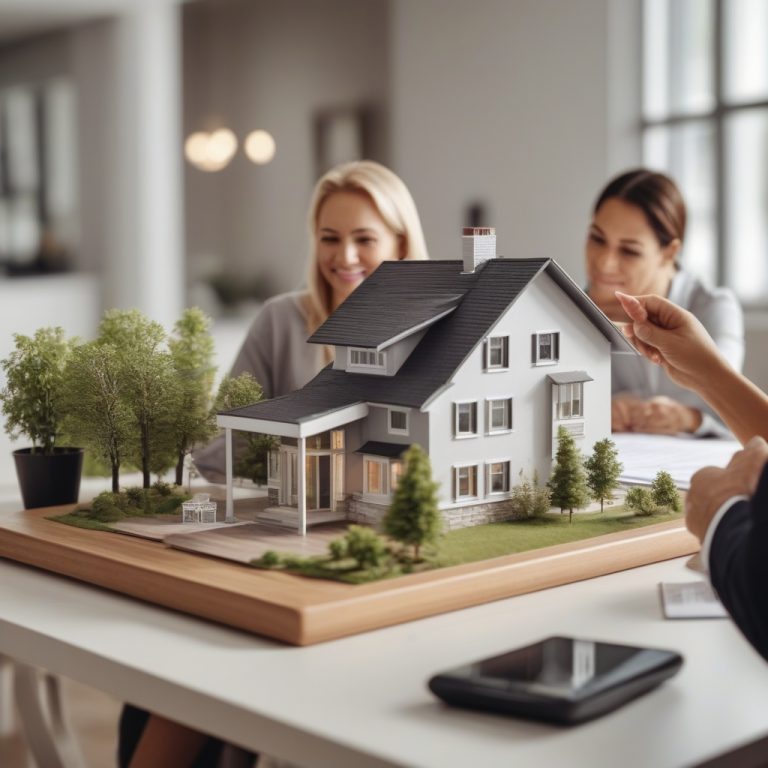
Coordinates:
column 559, row 679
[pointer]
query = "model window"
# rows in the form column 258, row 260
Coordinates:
column 366, row 358
column 395, row 472
column 498, row 352
column 546, row 347
column 498, row 477
column 398, row 422
column 337, row 439
column 466, row 482
column 570, row 400
column 466, row 419
column 500, row 414
column 274, row 465
column 375, row 477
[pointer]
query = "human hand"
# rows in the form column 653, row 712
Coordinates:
column 672, row 337
column 665, row 416
column 624, row 409
column 711, row 487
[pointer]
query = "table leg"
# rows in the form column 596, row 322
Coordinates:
column 43, row 719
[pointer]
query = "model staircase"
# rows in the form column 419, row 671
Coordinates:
column 289, row 516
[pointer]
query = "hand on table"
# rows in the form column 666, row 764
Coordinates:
column 659, row 415
column 711, row 487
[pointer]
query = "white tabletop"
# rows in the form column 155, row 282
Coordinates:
column 362, row 701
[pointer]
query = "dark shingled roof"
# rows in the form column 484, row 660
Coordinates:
column 389, row 450
column 486, row 292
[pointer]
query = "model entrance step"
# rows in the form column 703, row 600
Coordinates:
column 289, row 516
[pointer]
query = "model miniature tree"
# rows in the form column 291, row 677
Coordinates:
column 529, row 499
column 151, row 386
column 35, row 375
column 568, row 482
column 191, row 349
column 252, row 450
column 413, row 518
column 664, row 491
column 603, row 471
column 640, row 501
column 97, row 414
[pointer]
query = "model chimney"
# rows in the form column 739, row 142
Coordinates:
column 478, row 244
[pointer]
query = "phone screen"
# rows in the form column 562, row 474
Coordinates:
column 562, row 665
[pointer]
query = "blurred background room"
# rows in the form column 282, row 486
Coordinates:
column 159, row 153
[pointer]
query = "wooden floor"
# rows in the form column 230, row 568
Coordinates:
column 93, row 716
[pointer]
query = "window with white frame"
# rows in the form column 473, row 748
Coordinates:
column 398, row 422
column 274, row 466
column 570, row 400
column 465, row 419
column 498, row 477
column 375, row 476
column 705, row 123
column 499, row 414
column 546, row 347
column 359, row 357
column 395, row 472
column 497, row 353
column 465, row 482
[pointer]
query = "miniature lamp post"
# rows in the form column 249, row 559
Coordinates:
column 200, row 509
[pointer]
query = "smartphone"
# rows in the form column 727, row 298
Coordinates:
column 558, row 679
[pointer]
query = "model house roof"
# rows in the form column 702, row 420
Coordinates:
column 470, row 303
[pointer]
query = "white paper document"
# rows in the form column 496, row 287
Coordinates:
column 690, row 600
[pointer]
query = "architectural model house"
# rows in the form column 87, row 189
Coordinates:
column 478, row 360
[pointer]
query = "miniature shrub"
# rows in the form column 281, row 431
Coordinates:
column 162, row 488
column 337, row 549
column 135, row 496
column 108, row 507
column 365, row 546
column 529, row 499
column 664, row 492
column 640, row 501
column 270, row 558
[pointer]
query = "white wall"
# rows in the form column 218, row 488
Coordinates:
column 505, row 103
column 271, row 64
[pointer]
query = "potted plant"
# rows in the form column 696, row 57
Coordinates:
column 35, row 372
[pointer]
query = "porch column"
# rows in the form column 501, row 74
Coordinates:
column 302, row 485
column 230, row 516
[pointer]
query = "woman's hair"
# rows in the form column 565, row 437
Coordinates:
column 392, row 200
column 656, row 195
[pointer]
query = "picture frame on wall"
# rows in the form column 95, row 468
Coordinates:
column 342, row 134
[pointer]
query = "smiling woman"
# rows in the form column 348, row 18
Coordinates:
column 633, row 245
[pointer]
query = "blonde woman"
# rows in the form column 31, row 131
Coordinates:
column 361, row 214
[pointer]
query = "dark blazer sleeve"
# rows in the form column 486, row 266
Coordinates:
column 738, row 565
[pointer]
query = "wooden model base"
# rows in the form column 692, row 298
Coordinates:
column 304, row 611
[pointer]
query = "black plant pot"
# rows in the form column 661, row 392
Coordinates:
column 49, row 480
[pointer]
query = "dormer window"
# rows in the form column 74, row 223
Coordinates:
column 359, row 357
column 546, row 348
column 497, row 353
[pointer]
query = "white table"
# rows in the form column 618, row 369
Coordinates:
column 362, row 701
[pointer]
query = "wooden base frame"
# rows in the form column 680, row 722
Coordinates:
column 304, row 611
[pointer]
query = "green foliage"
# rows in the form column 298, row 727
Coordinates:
column 270, row 559
column 252, row 458
column 108, row 507
column 365, row 546
column 640, row 501
column 664, row 492
column 151, row 387
column 603, row 470
column 413, row 518
column 162, row 488
column 529, row 499
column 35, row 374
column 97, row 415
column 135, row 496
column 337, row 549
column 191, row 350
column 568, row 482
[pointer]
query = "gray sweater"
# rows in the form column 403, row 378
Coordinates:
column 720, row 313
column 276, row 352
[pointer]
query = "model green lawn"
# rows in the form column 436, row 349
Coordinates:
column 480, row 542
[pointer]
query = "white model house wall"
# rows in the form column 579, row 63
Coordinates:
column 543, row 307
column 376, row 426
